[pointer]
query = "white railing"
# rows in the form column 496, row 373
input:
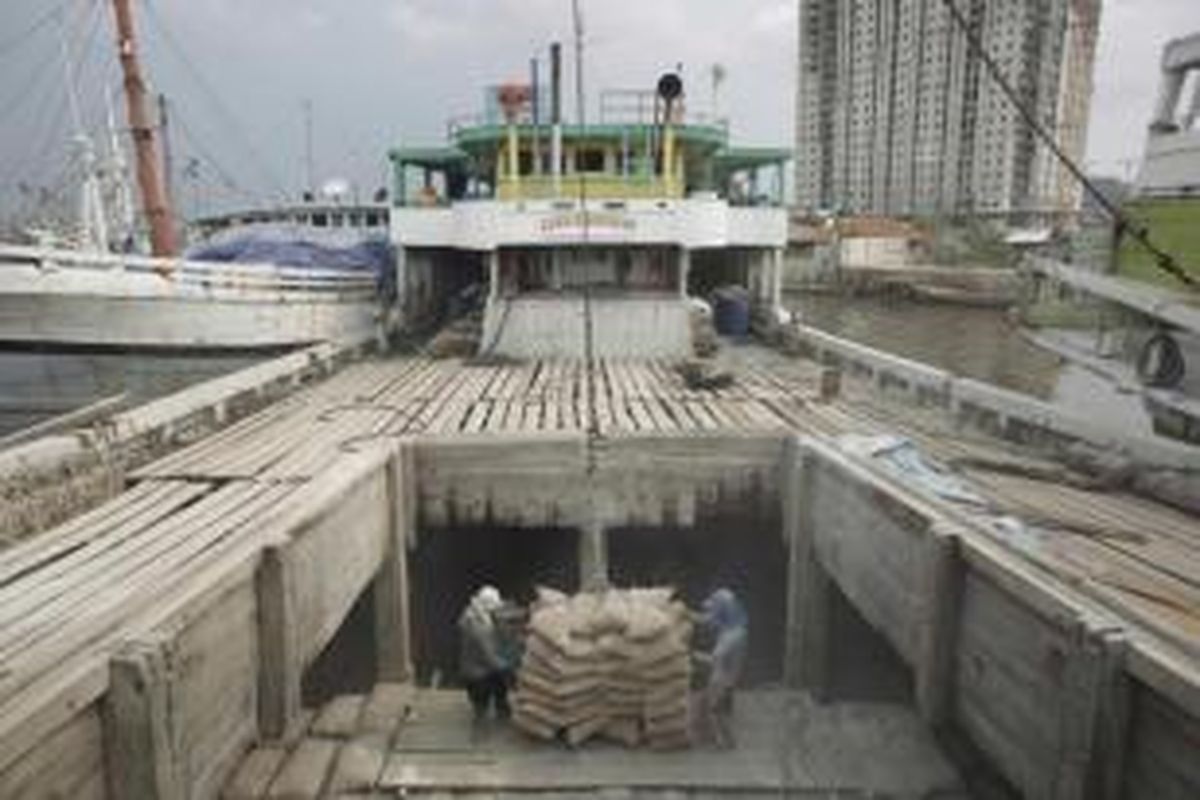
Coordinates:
column 205, row 274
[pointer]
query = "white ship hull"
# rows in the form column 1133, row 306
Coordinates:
column 69, row 299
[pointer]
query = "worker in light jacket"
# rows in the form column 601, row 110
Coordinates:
column 724, row 615
column 483, row 665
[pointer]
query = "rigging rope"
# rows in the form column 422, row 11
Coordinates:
column 589, row 329
column 19, row 40
column 206, row 157
column 1162, row 259
column 231, row 119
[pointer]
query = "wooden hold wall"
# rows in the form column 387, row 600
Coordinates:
column 200, row 666
column 194, row 663
column 1063, row 699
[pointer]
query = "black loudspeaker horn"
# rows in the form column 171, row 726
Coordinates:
column 670, row 87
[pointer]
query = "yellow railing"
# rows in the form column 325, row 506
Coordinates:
column 593, row 185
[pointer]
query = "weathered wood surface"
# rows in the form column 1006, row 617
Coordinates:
column 416, row 396
column 146, row 564
column 67, row 763
column 1139, row 556
column 786, row 745
column 1036, row 674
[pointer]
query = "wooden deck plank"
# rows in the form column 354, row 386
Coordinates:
column 80, row 556
column 49, row 547
column 305, row 772
column 111, row 566
column 84, row 618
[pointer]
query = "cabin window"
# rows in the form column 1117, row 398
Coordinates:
column 591, row 160
column 372, row 219
column 355, row 221
column 320, row 221
column 336, row 220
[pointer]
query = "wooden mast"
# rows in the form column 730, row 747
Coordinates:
column 154, row 196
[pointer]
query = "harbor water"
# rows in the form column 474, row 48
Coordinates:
column 972, row 342
column 38, row 386
column 979, row 343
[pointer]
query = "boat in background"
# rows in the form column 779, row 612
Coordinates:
column 80, row 300
column 1140, row 325
column 87, row 289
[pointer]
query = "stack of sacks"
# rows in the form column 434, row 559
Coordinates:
column 614, row 664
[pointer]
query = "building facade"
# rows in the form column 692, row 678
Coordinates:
column 896, row 115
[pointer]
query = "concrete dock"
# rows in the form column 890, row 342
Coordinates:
column 153, row 642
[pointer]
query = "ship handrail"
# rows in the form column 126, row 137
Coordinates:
column 190, row 271
column 1163, row 305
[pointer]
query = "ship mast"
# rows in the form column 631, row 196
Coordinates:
column 154, row 196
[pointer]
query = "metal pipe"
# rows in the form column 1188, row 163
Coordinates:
column 556, row 147
column 536, row 108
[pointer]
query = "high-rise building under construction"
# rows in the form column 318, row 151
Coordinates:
column 898, row 115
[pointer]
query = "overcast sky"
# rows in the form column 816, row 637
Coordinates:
column 385, row 72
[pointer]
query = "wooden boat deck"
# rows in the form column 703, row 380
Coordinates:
column 1143, row 557
column 194, row 522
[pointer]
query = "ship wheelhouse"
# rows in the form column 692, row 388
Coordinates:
column 630, row 216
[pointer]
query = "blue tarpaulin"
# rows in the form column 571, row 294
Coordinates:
column 302, row 248
column 374, row 255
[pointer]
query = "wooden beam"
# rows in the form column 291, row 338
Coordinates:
column 393, row 631
column 280, row 664
column 140, row 748
column 1113, row 722
column 1093, row 721
column 938, row 625
column 810, row 589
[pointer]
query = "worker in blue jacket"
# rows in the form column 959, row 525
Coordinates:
column 724, row 615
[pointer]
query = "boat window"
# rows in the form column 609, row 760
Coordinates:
column 320, row 221
column 591, row 160
column 372, row 219
column 355, row 221
column 336, row 220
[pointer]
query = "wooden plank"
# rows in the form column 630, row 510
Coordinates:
column 339, row 718
column 137, row 735
column 255, row 774
column 306, row 771
column 393, row 634
column 281, row 671
column 38, row 573
column 213, row 718
column 810, row 590
column 386, row 708
column 68, row 763
column 1010, row 675
column 81, row 677
column 1161, row 762
column 359, row 766
column 48, row 547
column 938, row 626
column 91, row 618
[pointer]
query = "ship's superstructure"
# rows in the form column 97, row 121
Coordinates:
column 589, row 236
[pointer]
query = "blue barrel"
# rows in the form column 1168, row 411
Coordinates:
column 731, row 314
